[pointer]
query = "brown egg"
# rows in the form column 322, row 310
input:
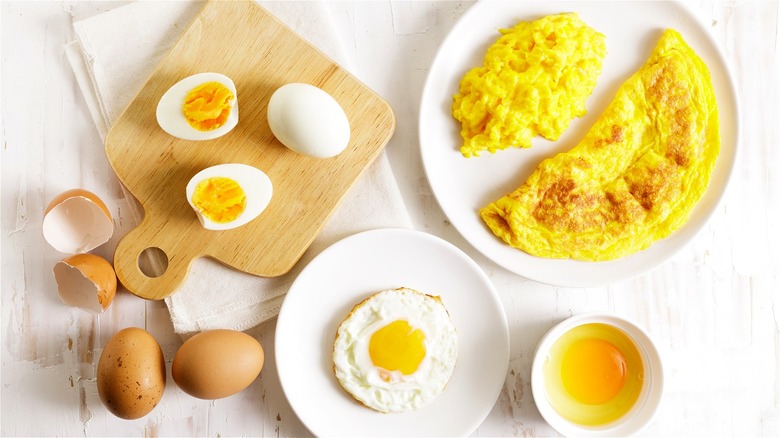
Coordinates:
column 77, row 221
column 217, row 363
column 131, row 374
column 86, row 281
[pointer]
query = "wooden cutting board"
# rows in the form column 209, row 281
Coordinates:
column 246, row 43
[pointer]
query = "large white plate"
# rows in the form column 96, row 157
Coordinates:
column 352, row 270
column 462, row 186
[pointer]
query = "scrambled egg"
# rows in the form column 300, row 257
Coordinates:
column 534, row 80
column 635, row 176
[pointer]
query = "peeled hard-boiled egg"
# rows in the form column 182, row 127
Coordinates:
column 86, row 281
column 77, row 221
column 308, row 120
column 227, row 196
column 199, row 107
column 396, row 350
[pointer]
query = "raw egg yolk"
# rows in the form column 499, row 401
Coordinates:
column 207, row 106
column 593, row 371
column 397, row 347
column 219, row 199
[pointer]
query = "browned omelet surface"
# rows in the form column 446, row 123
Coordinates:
column 635, row 176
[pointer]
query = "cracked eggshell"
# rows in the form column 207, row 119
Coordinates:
column 77, row 221
column 86, row 281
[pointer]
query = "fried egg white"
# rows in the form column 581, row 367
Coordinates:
column 396, row 350
column 636, row 175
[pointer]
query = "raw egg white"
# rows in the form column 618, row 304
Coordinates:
column 210, row 102
column 396, row 350
column 593, row 374
column 308, row 120
column 227, row 196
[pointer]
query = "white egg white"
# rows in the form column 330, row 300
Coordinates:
column 170, row 114
column 308, row 120
column 256, row 185
column 358, row 375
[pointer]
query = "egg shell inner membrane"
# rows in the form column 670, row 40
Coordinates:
column 75, row 289
column 77, row 225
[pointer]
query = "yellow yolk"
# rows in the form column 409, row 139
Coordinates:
column 397, row 347
column 207, row 106
column 593, row 371
column 219, row 199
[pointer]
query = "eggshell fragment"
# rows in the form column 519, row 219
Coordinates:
column 217, row 363
column 308, row 120
column 131, row 373
column 86, row 281
column 77, row 221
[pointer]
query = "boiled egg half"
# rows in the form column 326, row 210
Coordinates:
column 227, row 196
column 396, row 350
column 199, row 107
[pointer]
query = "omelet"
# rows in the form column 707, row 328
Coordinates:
column 534, row 80
column 636, row 175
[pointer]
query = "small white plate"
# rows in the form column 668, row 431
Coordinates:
column 649, row 398
column 350, row 271
column 463, row 186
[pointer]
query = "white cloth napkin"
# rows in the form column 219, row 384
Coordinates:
column 111, row 64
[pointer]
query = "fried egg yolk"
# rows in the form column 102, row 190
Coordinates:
column 219, row 199
column 207, row 106
column 397, row 347
column 593, row 371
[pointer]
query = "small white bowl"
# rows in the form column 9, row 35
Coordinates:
column 645, row 407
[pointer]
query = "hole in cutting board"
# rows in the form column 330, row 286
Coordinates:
column 153, row 262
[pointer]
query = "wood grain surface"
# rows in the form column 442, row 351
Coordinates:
column 244, row 42
column 713, row 310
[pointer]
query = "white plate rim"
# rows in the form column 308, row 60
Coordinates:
column 492, row 382
column 572, row 273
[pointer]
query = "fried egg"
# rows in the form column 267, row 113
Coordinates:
column 636, row 175
column 396, row 350
column 534, row 80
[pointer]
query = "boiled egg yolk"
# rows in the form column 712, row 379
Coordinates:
column 593, row 371
column 207, row 106
column 219, row 199
column 397, row 347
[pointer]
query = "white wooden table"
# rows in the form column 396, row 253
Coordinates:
column 714, row 309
